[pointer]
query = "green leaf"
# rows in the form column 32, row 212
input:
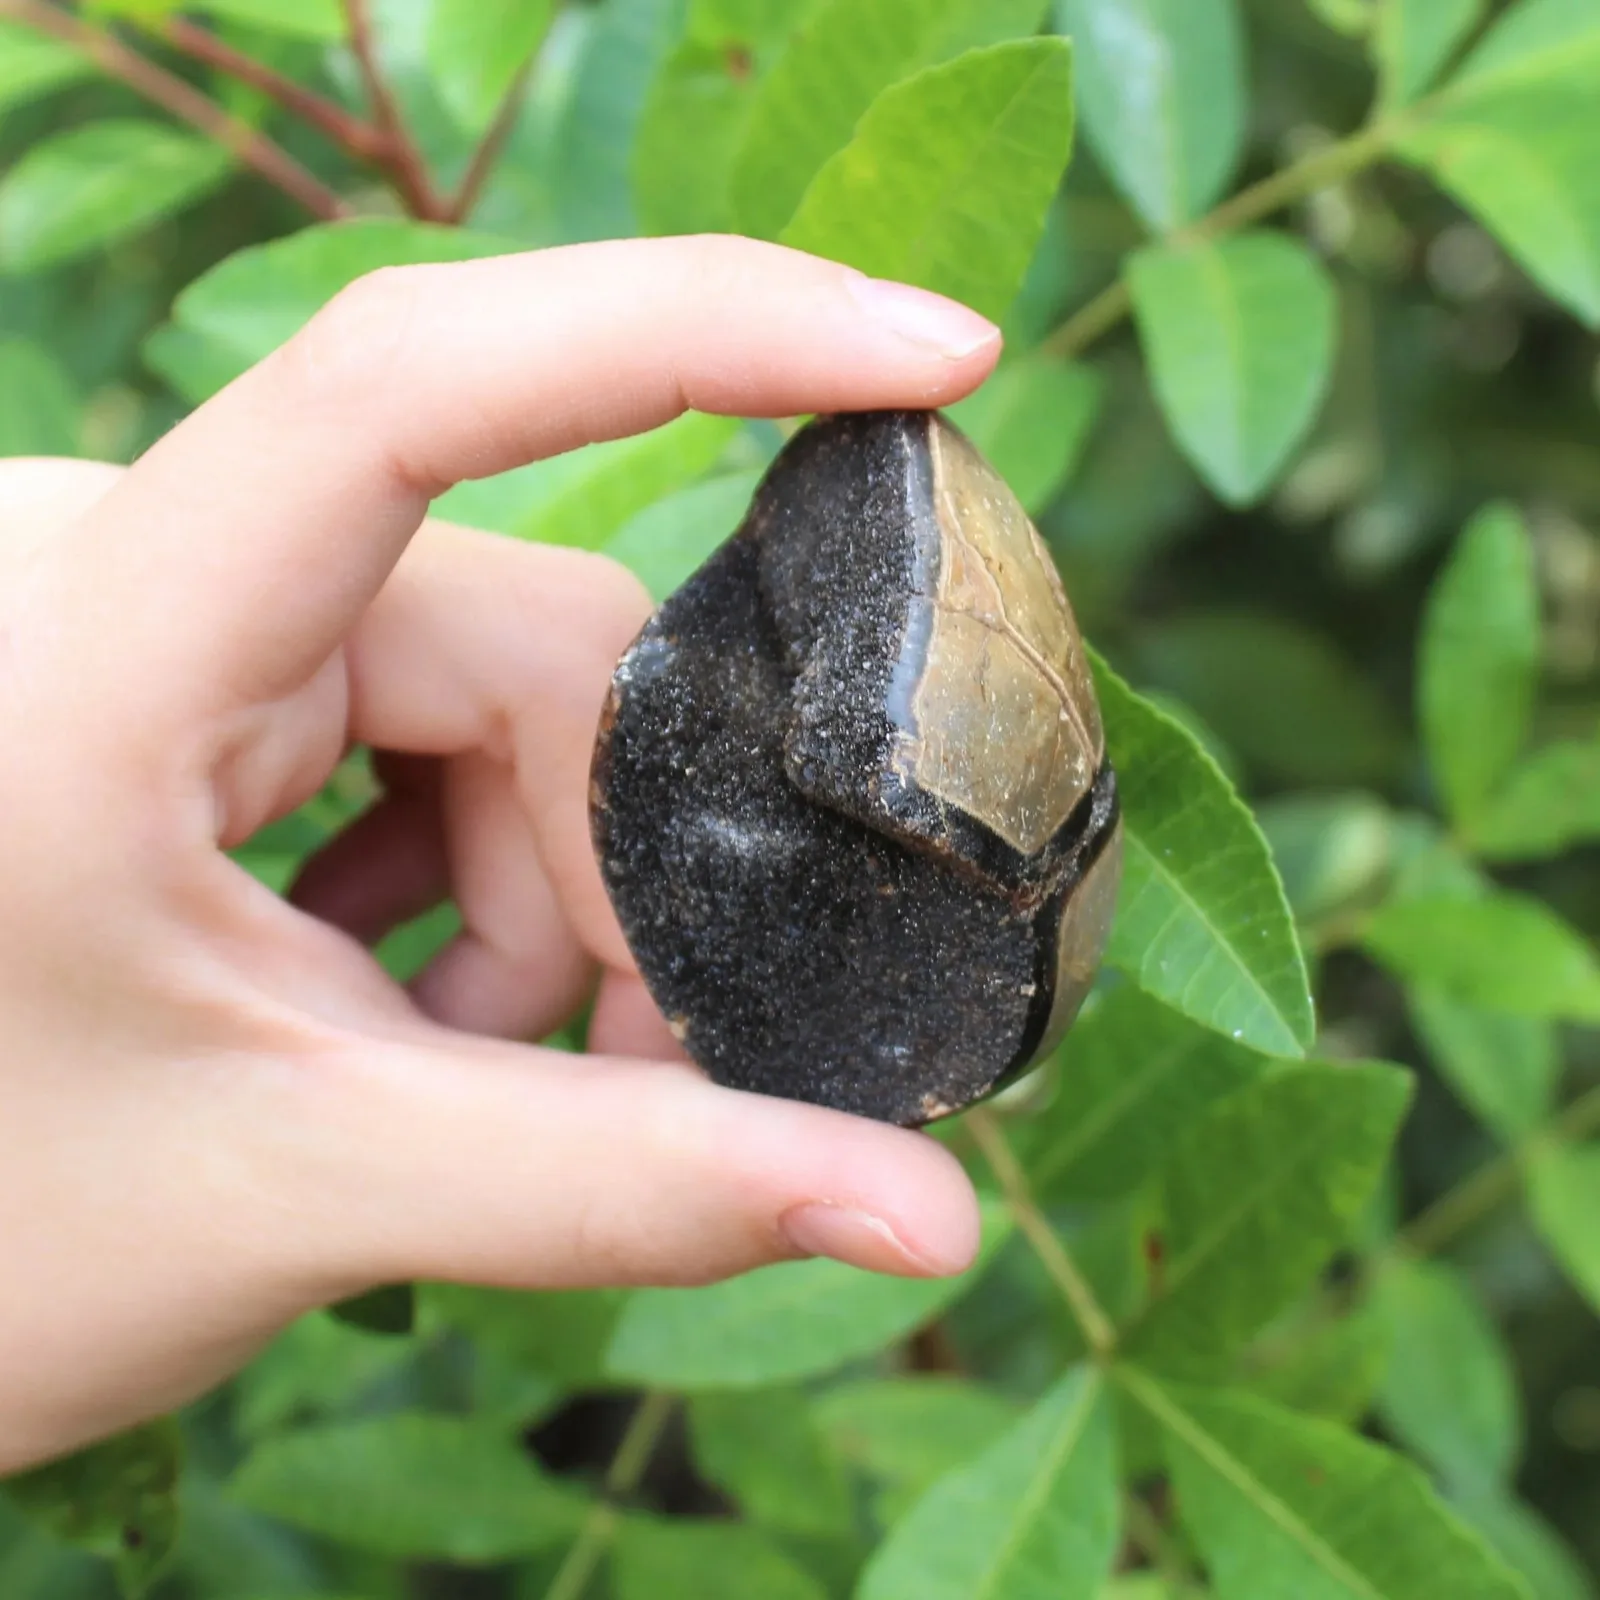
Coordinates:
column 665, row 543
column 593, row 144
column 1279, row 693
column 655, row 1558
column 246, row 306
column 1131, row 1079
column 1548, row 804
column 117, row 1499
column 1414, row 39
column 1529, row 1546
column 1035, row 1517
column 1032, row 419
column 411, row 1486
column 1513, row 138
column 1501, row 952
column 1330, row 848
column 950, row 174
column 321, row 21
column 1449, row 1395
column 32, row 65
column 315, row 1368
column 1162, row 86
column 562, row 1334
column 765, row 1449
column 1333, row 1372
column 1239, row 336
column 838, row 63
column 1479, row 660
column 778, row 1324
column 905, row 1433
column 1506, row 1069
column 1257, row 1197
column 90, row 186
column 1283, row 1505
column 584, row 497
column 40, row 414
column 1564, row 1188
column 476, row 48
column 1534, row 42
column 1201, row 921
column 688, row 130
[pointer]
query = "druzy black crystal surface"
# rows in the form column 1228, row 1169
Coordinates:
column 850, row 795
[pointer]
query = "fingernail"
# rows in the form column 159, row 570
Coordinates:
column 925, row 319
column 842, row 1233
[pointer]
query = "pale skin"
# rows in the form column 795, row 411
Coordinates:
column 219, row 1113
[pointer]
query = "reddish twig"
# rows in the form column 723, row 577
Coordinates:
column 183, row 101
column 401, row 158
column 490, row 146
column 357, row 138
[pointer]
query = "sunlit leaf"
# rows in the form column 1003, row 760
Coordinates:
column 1414, row 39
column 32, row 65
column 92, row 185
column 948, row 178
column 40, row 413
column 1032, row 1518
column 1548, row 804
column 1564, row 1186
column 841, row 59
column 777, row 1324
column 476, row 49
column 248, row 305
column 411, row 1486
column 1240, row 339
column 1286, row 1505
column 1500, row 952
column 1162, row 85
column 1449, row 1394
column 1479, row 660
column 1201, row 922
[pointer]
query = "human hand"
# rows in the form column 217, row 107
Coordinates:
column 219, row 1112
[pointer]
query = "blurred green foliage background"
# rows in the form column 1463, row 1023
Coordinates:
column 1295, row 319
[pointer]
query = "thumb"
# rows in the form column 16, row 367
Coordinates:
column 472, row 1160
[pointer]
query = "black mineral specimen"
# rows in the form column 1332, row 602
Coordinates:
column 850, row 794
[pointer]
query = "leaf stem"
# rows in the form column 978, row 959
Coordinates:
column 644, row 1430
column 1493, row 1184
column 358, row 138
column 401, row 158
column 1320, row 170
column 483, row 160
column 1099, row 1332
column 183, row 101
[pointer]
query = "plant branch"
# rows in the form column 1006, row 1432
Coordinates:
column 1487, row 1189
column 1304, row 178
column 490, row 145
column 622, row 1478
column 1098, row 1330
column 400, row 157
column 358, row 138
column 183, row 101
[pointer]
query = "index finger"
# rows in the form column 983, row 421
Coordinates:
column 258, row 530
